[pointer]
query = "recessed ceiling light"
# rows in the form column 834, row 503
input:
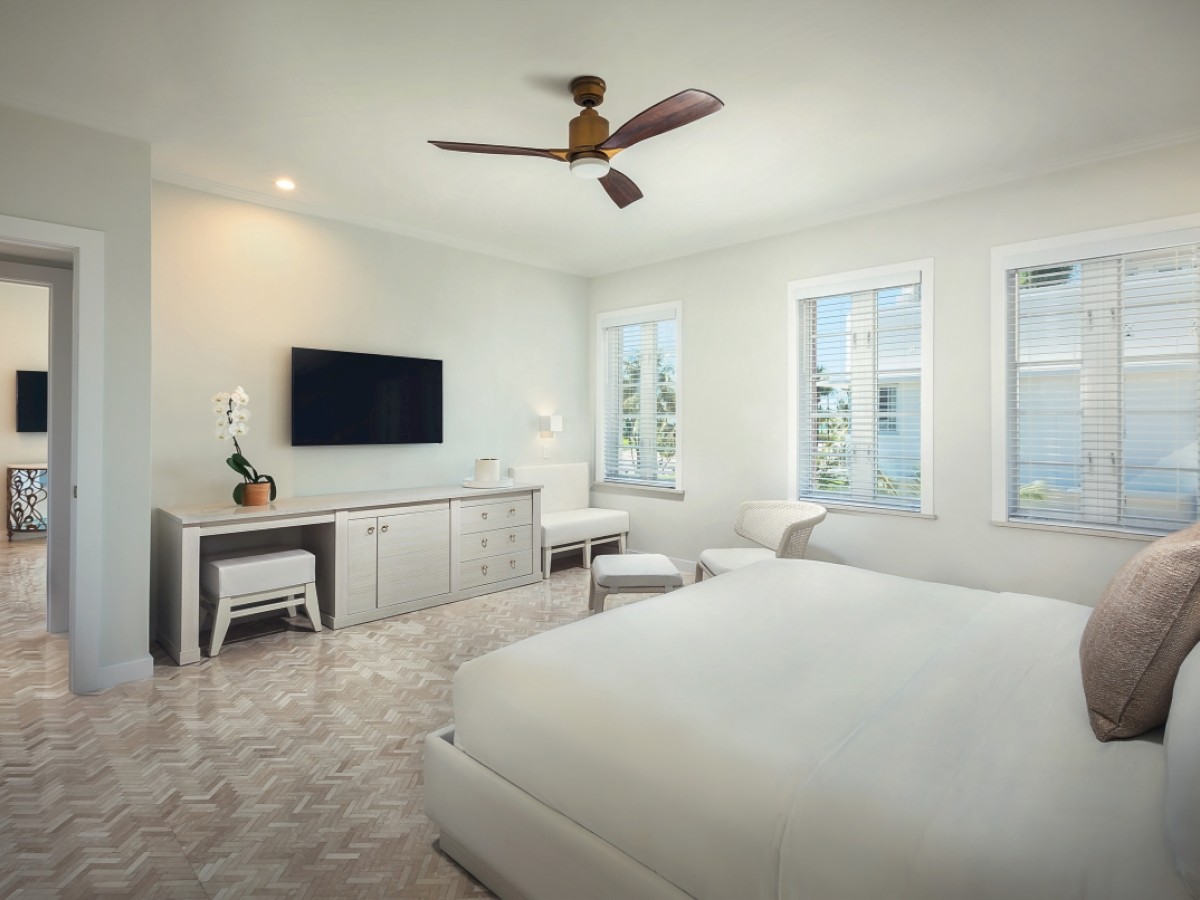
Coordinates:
column 285, row 184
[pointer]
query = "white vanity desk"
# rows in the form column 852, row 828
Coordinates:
column 379, row 553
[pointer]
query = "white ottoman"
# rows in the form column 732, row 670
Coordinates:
column 631, row 573
column 253, row 581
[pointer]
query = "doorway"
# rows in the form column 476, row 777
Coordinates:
column 70, row 263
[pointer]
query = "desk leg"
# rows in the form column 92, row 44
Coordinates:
column 189, row 612
column 179, row 590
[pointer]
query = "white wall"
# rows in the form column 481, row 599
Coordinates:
column 24, row 344
column 52, row 171
column 734, row 390
column 237, row 285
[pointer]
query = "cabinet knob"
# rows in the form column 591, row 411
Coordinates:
column 512, row 563
column 483, row 570
column 384, row 528
column 483, row 543
column 484, row 516
column 371, row 530
column 512, row 538
column 512, row 511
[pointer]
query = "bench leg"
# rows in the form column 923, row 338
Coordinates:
column 699, row 573
column 546, row 553
column 596, row 597
column 621, row 541
column 292, row 610
column 587, row 553
column 220, row 625
column 312, row 609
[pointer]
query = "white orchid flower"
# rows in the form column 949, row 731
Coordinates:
column 222, row 432
column 239, row 396
column 241, row 415
column 222, row 398
column 237, row 429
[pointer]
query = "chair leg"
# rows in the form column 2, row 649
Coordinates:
column 547, row 552
column 587, row 553
column 699, row 573
column 621, row 541
column 312, row 608
column 220, row 625
column 596, row 597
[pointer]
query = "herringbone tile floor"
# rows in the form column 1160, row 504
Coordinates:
column 290, row 766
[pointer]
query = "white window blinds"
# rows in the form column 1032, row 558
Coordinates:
column 639, row 408
column 860, row 392
column 1103, row 390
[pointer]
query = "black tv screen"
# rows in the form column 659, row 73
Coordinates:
column 341, row 398
column 32, row 391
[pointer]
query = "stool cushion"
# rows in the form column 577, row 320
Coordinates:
column 720, row 561
column 254, row 571
column 630, row 570
column 574, row 525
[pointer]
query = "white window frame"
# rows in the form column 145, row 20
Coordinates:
column 631, row 316
column 1099, row 242
column 849, row 282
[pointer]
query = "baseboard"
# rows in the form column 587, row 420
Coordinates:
column 119, row 673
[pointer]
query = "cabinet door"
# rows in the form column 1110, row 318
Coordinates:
column 414, row 556
column 363, row 565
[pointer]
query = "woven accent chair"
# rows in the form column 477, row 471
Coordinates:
column 781, row 526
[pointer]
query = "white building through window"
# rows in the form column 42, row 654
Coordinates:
column 861, row 379
column 638, row 404
column 1100, row 388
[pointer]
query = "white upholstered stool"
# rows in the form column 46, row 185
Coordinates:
column 631, row 573
column 242, row 584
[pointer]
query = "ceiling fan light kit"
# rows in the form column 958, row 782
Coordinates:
column 590, row 146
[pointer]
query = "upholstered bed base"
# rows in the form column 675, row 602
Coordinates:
column 518, row 847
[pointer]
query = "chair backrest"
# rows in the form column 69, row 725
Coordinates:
column 564, row 485
column 780, row 525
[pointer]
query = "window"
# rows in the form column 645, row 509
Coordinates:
column 861, row 380
column 1100, row 390
column 638, row 432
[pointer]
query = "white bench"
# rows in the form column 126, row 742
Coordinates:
column 635, row 573
column 253, row 581
column 568, row 523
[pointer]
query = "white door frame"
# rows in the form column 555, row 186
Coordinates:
column 83, row 319
column 58, row 540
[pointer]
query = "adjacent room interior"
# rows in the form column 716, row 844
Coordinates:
column 807, row 509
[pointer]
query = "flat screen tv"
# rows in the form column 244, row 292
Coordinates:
column 32, row 391
column 341, row 398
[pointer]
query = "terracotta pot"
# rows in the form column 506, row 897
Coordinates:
column 257, row 494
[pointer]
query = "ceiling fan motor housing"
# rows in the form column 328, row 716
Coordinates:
column 588, row 129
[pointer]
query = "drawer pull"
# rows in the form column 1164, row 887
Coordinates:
column 512, row 538
column 483, row 570
column 371, row 530
column 512, row 563
column 512, row 510
column 384, row 528
column 483, row 543
column 483, row 516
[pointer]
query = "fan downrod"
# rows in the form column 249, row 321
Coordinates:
column 588, row 90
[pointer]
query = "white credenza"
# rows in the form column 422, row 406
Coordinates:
column 378, row 554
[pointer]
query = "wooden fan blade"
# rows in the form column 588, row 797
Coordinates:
column 501, row 149
column 621, row 188
column 686, row 106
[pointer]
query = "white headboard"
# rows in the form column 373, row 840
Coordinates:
column 564, row 485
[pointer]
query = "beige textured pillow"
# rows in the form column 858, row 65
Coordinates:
column 1145, row 624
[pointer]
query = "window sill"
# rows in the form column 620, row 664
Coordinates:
column 637, row 490
column 1081, row 529
column 871, row 510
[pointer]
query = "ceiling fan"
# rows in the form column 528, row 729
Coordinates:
column 592, row 147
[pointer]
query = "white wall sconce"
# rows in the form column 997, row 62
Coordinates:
column 550, row 425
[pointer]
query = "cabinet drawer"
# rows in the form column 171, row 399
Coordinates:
column 495, row 568
column 502, row 514
column 501, row 540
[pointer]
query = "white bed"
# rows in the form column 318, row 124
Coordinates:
column 799, row 730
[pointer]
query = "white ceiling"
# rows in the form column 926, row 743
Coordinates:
column 832, row 108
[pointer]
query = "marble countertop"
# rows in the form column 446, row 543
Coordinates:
column 326, row 503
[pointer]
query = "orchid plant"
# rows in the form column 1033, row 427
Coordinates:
column 233, row 421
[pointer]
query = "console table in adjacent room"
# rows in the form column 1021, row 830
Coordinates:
column 27, row 498
column 379, row 553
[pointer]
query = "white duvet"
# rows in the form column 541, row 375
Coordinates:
column 804, row 730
